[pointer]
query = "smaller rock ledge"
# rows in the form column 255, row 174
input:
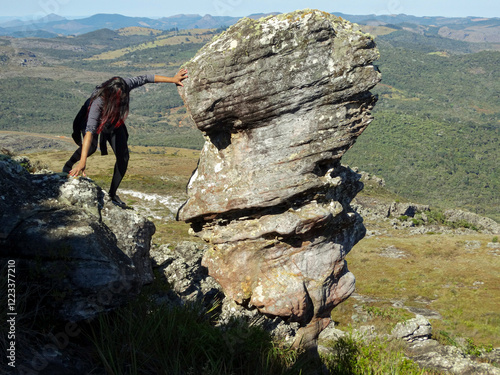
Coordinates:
column 80, row 253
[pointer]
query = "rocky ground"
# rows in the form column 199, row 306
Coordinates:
column 182, row 269
column 181, row 265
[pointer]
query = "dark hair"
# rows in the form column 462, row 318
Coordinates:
column 115, row 99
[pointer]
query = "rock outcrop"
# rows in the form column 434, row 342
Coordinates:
column 428, row 353
column 412, row 330
column 280, row 100
column 449, row 359
column 74, row 251
column 485, row 224
column 189, row 282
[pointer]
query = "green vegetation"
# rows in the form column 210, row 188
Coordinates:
column 436, row 129
column 468, row 346
column 354, row 357
column 32, row 104
column 428, row 42
column 45, row 98
column 436, row 217
column 455, row 276
column 139, row 61
column 193, row 344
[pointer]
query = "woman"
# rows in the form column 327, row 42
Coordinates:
column 107, row 111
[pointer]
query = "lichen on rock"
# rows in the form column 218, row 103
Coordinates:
column 280, row 100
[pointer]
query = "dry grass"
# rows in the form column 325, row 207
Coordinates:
column 194, row 36
column 152, row 169
column 454, row 275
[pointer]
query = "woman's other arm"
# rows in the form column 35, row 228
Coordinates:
column 80, row 167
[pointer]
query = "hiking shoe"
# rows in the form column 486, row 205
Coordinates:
column 118, row 202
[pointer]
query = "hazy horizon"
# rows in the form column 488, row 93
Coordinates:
column 36, row 9
column 70, row 17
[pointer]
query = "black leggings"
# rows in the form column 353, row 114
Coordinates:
column 118, row 141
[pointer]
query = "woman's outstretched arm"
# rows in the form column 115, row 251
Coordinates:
column 177, row 79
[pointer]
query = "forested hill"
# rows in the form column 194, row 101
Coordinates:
column 434, row 138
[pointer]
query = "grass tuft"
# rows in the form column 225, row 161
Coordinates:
column 147, row 338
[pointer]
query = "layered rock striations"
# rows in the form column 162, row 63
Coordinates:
column 280, row 100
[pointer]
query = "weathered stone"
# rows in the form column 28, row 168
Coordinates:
column 185, row 275
column 449, row 359
column 375, row 209
column 411, row 330
column 427, row 353
column 406, row 209
column 233, row 314
column 73, row 248
column 279, row 101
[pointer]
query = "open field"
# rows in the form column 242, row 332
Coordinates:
column 452, row 279
column 169, row 39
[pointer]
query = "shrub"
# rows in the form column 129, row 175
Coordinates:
column 436, row 217
column 467, row 345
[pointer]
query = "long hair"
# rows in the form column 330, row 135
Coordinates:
column 115, row 97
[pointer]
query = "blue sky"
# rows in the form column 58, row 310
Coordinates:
column 239, row 8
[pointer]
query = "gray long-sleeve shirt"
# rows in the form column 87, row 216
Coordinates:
column 94, row 117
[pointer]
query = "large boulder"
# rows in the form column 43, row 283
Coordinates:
column 280, row 100
column 75, row 253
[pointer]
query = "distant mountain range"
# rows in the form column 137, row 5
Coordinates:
column 53, row 25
